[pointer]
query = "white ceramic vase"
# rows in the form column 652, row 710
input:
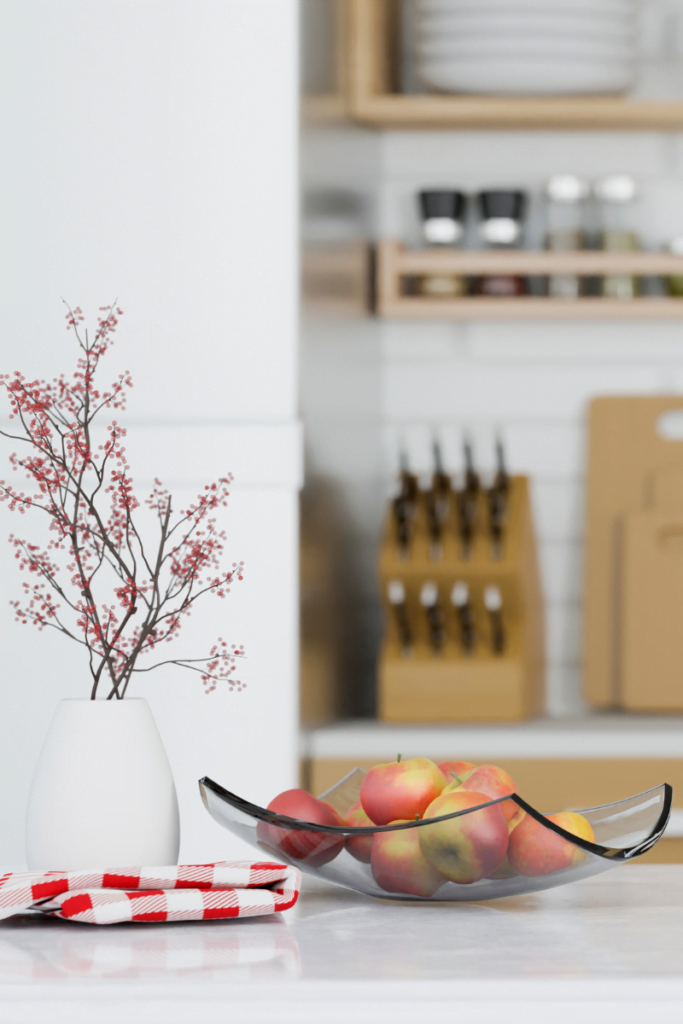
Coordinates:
column 102, row 794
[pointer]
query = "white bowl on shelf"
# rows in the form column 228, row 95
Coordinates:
column 526, row 47
column 592, row 8
column 520, row 76
column 524, row 22
column 511, row 46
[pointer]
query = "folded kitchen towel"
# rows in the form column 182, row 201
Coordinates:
column 186, row 892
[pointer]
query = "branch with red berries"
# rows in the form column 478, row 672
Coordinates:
column 96, row 581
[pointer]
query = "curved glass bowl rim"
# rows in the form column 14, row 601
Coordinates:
column 610, row 853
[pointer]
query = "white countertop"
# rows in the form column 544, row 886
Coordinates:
column 589, row 736
column 606, row 949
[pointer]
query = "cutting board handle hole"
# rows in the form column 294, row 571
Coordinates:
column 670, row 538
column 670, row 425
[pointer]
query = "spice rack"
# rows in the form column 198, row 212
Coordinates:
column 422, row 685
column 394, row 262
column 371, row 47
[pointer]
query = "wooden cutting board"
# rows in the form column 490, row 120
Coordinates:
column 651, row 621
column 634, row 465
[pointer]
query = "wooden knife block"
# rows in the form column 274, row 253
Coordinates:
column 454, row 685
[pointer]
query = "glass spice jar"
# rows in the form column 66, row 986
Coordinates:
column 616, row 195
column 674, row 282
column 566, row 196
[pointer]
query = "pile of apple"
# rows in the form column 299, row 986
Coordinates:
column 498, row 841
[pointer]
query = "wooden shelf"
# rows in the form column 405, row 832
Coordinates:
column 535, row 309
column 394, row 262
column 373, row 98
column 524, row 261
column 510, row 112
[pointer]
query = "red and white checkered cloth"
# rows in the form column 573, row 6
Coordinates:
column 187, row 892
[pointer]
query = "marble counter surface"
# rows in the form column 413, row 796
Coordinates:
column 606, row 949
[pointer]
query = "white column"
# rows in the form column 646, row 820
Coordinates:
column 150, row 157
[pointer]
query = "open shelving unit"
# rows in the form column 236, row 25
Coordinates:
column 371, row 45
column 394, row 263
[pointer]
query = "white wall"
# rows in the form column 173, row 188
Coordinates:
column 533, row 380
column 149, row 154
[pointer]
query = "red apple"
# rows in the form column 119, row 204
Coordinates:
column 315, row 848
column 492, row 781
column 467, row 848
column 506, row 869
column 536, row 850
column 359, row 846
column 449, row 768
column 398, row 865
column 400, row 789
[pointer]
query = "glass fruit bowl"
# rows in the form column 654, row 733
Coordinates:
column 389, row 861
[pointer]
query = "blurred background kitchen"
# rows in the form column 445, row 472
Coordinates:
column 446, row 239
column 442, row 138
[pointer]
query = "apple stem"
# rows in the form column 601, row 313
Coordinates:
column 398, row 757
column 457, row 778
column 417, row 817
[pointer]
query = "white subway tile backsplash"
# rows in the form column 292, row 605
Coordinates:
column 658, row 213
column 490, row 158
column 550, row 451
column 413, row 441
column 652, row 30
column 558, row 508
column 450, row 389
column 675, row 379
column 553, row 450
column 563, row 694
column 345, row 447
column 563, row 632
column 677, row 142
column 588, row 343
column 424, row 342
column 561, row 571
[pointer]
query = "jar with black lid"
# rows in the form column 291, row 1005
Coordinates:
column 442, row 213
column 502, row 215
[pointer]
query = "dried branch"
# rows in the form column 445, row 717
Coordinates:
column 125, row 599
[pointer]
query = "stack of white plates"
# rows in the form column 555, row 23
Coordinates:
column 550, row 47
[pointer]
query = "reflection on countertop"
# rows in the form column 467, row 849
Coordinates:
column 43, row 949
column 608, row 927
